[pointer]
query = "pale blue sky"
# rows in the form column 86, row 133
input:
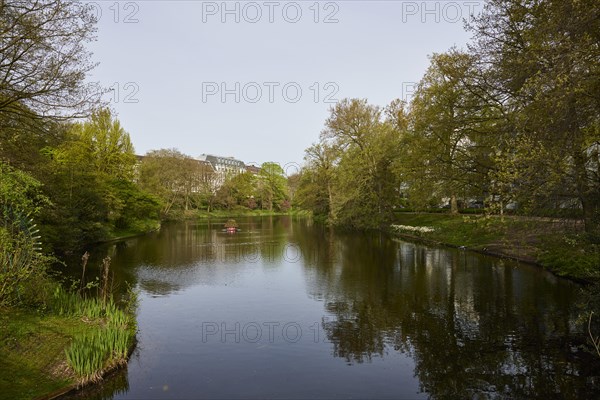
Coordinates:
column 168, row 65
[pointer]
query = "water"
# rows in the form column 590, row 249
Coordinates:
column 289, row 309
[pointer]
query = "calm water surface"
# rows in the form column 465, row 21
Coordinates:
column 288, row 309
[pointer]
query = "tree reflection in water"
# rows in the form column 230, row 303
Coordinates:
column 475, row 326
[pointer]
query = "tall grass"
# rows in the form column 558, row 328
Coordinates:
column 111, row 332
column 91, row 354
column 107, row 343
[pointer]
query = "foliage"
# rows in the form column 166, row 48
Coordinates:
column 537, row 63
column 271, row 186
column 448, row 156
column 177, row 179
column 350, row 173
column 20, row 256
column 108, row 344
column 315, row 187
column 237, row 190
column 43, row 62
column 101, row 145
column 132, row 205
column 103, row 347
column 571, row 255
column 90, row 181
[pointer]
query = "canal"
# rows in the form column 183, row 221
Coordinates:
column 290, row 309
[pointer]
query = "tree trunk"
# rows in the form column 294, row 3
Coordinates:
column 586, row 196
column 453, row 205
column 330, row 195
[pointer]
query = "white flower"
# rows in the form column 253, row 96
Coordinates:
column 418, row 229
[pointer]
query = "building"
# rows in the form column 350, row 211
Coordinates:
column 223, row 166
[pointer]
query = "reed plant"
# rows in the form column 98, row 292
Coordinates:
column 91, row 354
column 112, row 328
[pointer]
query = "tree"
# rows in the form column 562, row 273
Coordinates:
column 172, row 176
column 102, row 142
column 43, row 61
column 538, row 60
column 315, row 191
column 449, row 156
column 367, row 146
column 238, row 190
column 272, row 186
column 89, row 180
column 208, row 183
column 133, row 208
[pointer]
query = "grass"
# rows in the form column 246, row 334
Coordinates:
column 32, row 358
column 103, row 346
column 73, row 341
column 98, row 350
column 557, row 244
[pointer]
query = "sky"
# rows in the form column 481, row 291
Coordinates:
column 256, row 80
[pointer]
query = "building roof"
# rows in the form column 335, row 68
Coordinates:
column 227, row 162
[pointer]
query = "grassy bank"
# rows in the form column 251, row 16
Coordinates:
column 560, row 245
column 67, row 341
column 137, row 229
column 237, row 213
column 52, row 338
column 244, row 213
column 32, row 352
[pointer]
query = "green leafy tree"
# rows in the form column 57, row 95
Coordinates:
column 85, row 177
column 315, row 191
column 538, row 60
column 272, row 188
column 105, row 144
column 177, row 179
column 367, row 146
column 238, row 190
column 449, row 155
column 208, row 184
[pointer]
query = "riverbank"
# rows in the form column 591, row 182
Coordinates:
column 32, row 352
column 63, row 343
column 142, row 228
column 245, row 213
column 236, row 213
column 558, row 245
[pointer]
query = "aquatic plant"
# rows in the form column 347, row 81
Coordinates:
column 89, row 355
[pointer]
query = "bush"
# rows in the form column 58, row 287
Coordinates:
column 20, row 255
